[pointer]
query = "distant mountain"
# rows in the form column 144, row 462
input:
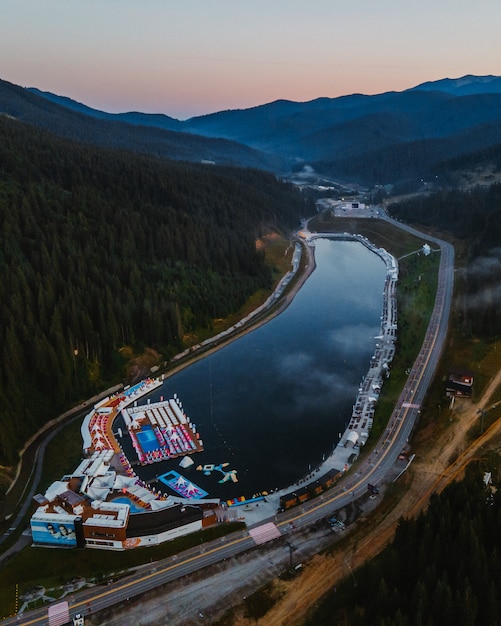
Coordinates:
column 355, row 138
column 68, row 119
column 417, row 159
column 465, row 86
column 344, row 129
column 139, row 119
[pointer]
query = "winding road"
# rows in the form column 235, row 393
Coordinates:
column 374, row 469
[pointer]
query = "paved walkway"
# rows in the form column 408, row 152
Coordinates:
column 256, row 512
column 361, row 420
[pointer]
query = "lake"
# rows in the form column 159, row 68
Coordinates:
column 273, row 403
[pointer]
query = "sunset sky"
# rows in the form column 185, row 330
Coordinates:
column 190, row 57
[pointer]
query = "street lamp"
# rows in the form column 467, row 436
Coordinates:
column 483, row 413
column 291, row 550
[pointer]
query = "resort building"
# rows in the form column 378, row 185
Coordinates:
column 103, row 504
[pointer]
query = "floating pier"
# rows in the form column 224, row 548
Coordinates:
column 161, row 431
column 362, row 416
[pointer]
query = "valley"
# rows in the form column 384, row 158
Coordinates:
column 129, row 240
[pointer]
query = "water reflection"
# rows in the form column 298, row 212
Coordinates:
column 273, row 403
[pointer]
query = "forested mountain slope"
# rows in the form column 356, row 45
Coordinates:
column 415, row 159
column 112, row 131
column 133, row 117
column 101, row 248
column 384, row 138
column 441, row 568
column 475, row 217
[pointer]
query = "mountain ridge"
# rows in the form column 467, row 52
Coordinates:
column 28, row 106
column 468, row 83
column 328, row 133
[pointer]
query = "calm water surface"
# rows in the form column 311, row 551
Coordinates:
column 273, row 403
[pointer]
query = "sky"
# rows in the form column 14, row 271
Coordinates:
column 191, row 57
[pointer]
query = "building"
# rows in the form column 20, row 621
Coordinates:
column 459, row 383
column 103, row 503
column 67, row 518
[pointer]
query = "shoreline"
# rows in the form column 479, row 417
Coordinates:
column 342, row 456
column 340, row 459
column 29, row 451
column 267, row 311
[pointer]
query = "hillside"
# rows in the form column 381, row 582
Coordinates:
column 80, row 124
column 136, row 118
column 385, row 138
column 103, row 248
column 473, row 217
column 465, row 85
column 418, row 159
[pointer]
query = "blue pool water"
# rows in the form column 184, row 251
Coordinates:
column 133, row 507
column 182, row 486
column 147, row 439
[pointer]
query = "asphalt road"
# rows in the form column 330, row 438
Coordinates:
column 20, row 497
column 373, row 470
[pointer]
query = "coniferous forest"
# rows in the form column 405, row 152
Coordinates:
column 442, row 568
column 103, row 248
column 475, row 218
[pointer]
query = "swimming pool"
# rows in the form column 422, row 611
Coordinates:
column 147, row 439
column 133, row 507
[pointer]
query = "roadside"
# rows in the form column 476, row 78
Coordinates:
column 212, row 591
column 29, row 454
column 18, row 496
column 220, row 594
column 429, row 473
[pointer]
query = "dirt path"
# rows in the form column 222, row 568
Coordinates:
column 435, row 467
column 204, row 598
